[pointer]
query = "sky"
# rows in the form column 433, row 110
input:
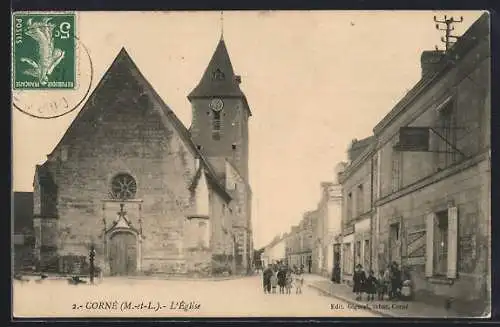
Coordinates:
column 314, row 81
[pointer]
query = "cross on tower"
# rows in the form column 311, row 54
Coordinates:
column 222, row 25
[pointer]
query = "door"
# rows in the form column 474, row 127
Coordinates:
column 395, row 243
column 336, row 255
column 336, row 263
column 123, row 253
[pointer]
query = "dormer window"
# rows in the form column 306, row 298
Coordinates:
column 218, row 75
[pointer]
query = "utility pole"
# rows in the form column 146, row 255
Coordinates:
column 92, row 253
column 448, row 22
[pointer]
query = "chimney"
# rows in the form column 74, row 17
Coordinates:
column 430, row 60
column 339, row 169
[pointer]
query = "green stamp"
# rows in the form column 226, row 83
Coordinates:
column 44, row 51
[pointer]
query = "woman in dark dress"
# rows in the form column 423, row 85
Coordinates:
column 282, row 280
column 396, row 281
column 359, row 279
column 371, row 286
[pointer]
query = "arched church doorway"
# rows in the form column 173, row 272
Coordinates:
column 123, row 253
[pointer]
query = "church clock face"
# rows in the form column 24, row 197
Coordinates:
column 216, row 104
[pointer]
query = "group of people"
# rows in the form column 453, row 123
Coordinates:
column 389, row 282
column 281, row 279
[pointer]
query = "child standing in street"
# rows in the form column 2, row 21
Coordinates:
column 289, row 281
column 381, row 287
column 274, row 282
column 359, row 280
column 371, row 286
column 299, row 281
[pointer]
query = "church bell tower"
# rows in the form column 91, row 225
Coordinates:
column 220, row 114
column 220, row 131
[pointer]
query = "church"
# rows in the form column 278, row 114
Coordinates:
column 151, row 196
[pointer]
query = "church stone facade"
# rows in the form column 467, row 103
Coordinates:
column 151, row 196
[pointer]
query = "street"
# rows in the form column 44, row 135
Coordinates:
column 123, row 297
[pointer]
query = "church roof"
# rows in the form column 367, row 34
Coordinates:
column 219, row 78
column 44, row 176
column 122, row 63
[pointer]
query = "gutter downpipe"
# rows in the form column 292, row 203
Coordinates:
column 372, row 212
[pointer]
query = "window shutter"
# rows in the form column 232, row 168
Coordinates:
column 429, row 245
column 452, row 242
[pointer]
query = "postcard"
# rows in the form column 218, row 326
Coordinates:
column 251, row 164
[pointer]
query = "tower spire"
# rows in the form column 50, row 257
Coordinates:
column 222, row 25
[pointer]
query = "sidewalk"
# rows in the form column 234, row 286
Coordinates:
column 394, row 309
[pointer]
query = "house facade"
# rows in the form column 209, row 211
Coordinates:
column 327, row 234
column 357, row 190
column 433, row 199
column 275, row 251
column 299, row 244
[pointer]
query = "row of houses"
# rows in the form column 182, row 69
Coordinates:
column 416, row 191
column 315, row 243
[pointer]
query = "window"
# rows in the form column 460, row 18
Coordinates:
column 396, row 170
column 234, row 146
column 347, row 255
column 349, row 206
column 358, row 252
column 374, row 178
column 395, row 231
column 360, row 199
column 198, row 147
column 441, row 243
column 216, row 125
column 197, row 234
column 123, row 187
column 447, row 154
column 366, row 253
column 218, row 75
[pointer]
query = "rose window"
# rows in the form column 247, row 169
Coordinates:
column 123, row 187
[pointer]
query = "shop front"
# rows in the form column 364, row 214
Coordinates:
column 362, row 244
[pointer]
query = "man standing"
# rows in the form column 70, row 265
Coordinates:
column 266, row 278
column 91, row 264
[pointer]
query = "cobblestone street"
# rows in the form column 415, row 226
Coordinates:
column 122, row 297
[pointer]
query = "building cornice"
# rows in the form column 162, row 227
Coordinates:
column 434, row 178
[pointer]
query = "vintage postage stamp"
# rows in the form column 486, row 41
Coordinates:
column 44, row 51
column 251, row 164
column 52, row 70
